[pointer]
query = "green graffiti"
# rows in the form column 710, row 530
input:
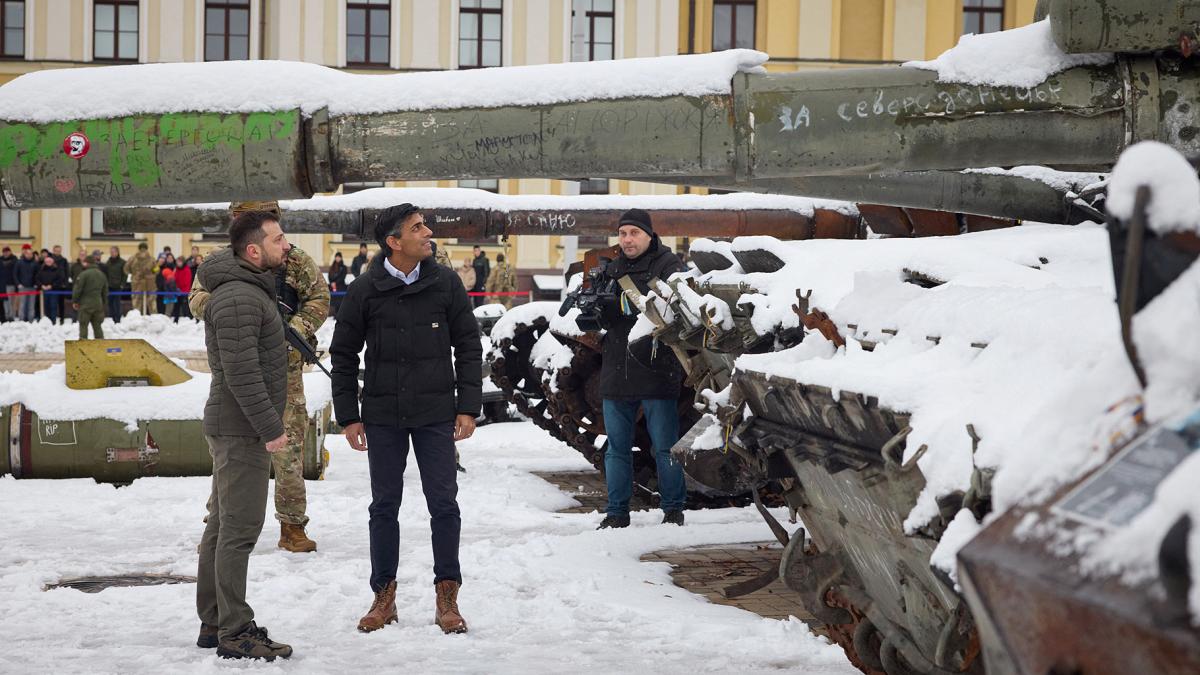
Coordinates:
column 133, row 147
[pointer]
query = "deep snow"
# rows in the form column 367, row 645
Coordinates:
column 543, row 592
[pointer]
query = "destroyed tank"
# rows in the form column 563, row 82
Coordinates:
column 906, row 138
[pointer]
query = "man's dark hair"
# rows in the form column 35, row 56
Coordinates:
column 388, row 221
column 499, row 257
column 247, row 228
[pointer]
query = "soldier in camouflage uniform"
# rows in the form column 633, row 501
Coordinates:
column 502, row 280
column 141, row 276
column 303, row 290
column 441, row 257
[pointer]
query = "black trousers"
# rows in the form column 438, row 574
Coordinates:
column 387, row 453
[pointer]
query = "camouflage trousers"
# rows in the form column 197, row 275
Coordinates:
column 143, row 298
column 291, row 502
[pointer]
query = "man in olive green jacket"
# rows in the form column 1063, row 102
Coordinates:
column 87, row 297
column 243, row 423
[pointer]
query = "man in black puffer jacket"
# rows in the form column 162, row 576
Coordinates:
column 639, row 374
column 243, row 422
column 410, row 312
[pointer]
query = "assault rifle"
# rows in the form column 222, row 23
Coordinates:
column 297, row 341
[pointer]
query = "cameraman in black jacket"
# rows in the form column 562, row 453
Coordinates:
column 638, row 374
column 410, row 312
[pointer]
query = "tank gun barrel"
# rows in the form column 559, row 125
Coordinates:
column 769, row 127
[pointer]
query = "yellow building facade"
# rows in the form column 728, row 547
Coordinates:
column 386, row 36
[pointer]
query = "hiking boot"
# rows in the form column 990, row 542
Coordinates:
column 447, row 616
column 208, row 636
column 383, row 610
column 614, row 521
column 673, row 517
column 292, row 538
column 252, row 643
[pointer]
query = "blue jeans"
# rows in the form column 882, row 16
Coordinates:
column 387, row 456
column 662, row 420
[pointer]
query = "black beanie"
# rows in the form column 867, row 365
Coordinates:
column 637, row 218
column 388, row 219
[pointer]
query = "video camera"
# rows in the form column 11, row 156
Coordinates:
column 597, row 290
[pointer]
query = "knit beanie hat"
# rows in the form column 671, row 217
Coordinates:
column 637, row 218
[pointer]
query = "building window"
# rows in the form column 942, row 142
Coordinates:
column 479, row 33
column 593, row 186
column 983, row 16
column 12, row 29
column 733, row 24
column 97, row 222
column 368, row 31
column 351, row 188
column 10, row 221
column 592, row 30
column 489, row 184
column 115, row 35
column 226, row 30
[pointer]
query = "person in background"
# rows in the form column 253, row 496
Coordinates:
column 360, row 261
column 183, row 284
column 25, row 273
column 115, row 275
column 165, row 262
column 141, row 274
column 190, row 261
column 168, row 293
column 502, row 280
column 441, row 257
column 87, row 297
column 337, row 282
column 58, row 256
column 482, row 269
column 467, row 273
column 8, row 284
column 51, row 277
column 638, row 375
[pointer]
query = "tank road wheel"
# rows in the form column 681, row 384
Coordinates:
column 513, row 372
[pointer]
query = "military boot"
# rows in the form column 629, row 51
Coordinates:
column 447, row 617
column 208, row 636
column 383, row 610
column 252, row 643
column 292, row 538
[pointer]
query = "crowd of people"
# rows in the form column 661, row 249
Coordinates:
column 37, row 284
column 42, row 284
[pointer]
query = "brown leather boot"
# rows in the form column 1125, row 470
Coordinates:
column 292, row 538
column 447, row 617
column 382, row 612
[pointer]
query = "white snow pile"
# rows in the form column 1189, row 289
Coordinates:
column 44, row 337
column 1020, row 57
column 544, row 592
column 490, row 310
column 470, row 198
column 1162, row 332
column 47, row 394
column 222, row 86
column 1174, row 189
column 1062, row 181
column 529, row 312
column 1039, row 297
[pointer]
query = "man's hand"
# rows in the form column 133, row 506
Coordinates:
column 277, row 444
column 75, row 305
column 356, row 436
column 464, row 426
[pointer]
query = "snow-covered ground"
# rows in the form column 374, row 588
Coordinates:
column 543, row 592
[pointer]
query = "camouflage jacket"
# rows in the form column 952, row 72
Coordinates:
column 141, row 267
column 502, row 279
column 305, row 278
